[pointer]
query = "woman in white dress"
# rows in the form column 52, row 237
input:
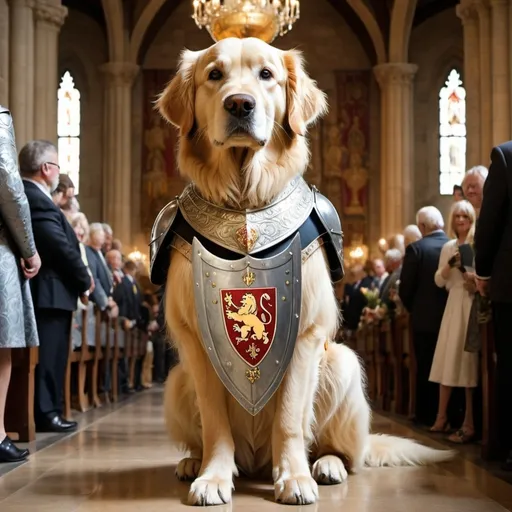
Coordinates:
column 452, row 365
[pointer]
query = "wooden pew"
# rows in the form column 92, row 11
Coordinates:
column 82, row 359
column 19, row 411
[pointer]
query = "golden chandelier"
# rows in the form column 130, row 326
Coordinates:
column 264, row 19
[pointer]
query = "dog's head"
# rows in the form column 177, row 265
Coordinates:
column 239, row 91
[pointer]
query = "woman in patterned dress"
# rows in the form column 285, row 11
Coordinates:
column 19, row 261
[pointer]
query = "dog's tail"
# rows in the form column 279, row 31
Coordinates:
column 386, row 450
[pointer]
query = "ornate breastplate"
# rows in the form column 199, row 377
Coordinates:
column 248, row 274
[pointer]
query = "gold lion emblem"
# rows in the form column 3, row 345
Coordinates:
column 247, row 314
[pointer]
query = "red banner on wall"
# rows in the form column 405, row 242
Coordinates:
column 353, row 94
column 159, row 172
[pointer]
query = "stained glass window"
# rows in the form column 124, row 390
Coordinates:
column 68, row 128
column 452, row 133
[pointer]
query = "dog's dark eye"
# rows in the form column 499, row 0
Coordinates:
column 265, row 74
column 215, row 74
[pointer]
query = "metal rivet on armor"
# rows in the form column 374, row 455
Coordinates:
column 277, row 361
column 197, row 284
column 287, row 282
column 283, row 298
column 214, row 285
column 290, row 253
column 296, row 315
column 209, row 348
column 286, row 272
column 207, row 274
column 297, row 280
column 199, row 253
column 231, row 266
column 215, row 301
column 228, row 364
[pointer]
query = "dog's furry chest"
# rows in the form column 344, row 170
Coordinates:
column 253, row 438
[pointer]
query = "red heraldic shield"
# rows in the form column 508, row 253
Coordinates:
column 250, row 319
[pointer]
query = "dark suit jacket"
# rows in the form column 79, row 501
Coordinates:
column 63, row 275
column 128, row 297
column 102, row 279
column 354, row 302
column 418, row 291
column 493, row 238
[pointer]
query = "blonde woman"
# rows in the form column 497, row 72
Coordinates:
column 452, row 365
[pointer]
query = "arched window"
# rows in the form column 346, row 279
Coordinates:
column 68, row 128
column 452, row 133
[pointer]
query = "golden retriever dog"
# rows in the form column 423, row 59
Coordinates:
column 316, row 427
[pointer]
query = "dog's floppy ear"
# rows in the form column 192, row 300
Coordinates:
column 305, row 101
column 176, row 103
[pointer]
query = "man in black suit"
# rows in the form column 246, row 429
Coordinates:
column 493, row 260
column 55, row 290
column 425, row 301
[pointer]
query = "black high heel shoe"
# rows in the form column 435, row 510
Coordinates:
column 9, row 452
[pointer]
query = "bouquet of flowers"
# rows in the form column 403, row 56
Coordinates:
column 372, row 297
column 372, row 307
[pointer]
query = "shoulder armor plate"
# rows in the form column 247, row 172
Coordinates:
column 159, row 246
column 331, row 221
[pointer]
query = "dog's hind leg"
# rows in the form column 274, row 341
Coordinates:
column 183, row 422
column 342, row 416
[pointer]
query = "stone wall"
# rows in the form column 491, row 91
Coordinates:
column 82, row 50
column 435, row 57
column 328, row 44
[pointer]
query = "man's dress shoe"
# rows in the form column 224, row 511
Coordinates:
column 9, row 452
column 56, row 423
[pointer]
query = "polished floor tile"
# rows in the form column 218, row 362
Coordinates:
column 124, row 462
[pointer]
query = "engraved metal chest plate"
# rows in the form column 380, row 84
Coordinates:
column 248, row 312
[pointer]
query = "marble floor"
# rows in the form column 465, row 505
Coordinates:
column 122, row 461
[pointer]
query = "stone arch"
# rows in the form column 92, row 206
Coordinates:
column 114, row 17
column 401, row 24
column 372, row 27
column 154, row 15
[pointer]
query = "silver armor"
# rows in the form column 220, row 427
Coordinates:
column 248, row 312
column 248, row 294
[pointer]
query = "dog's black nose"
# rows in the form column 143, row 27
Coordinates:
column 240, row 105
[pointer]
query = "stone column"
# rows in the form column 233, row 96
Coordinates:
column 468, row 13
column 21, row 68
column 484, row 19
column 397, row 143
column 117, row 172
column 4, row 53
column 500, row 72
column 49, row 20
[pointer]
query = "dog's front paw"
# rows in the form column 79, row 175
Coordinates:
column 329, row 470
column 300, row 490
column 210, row 491
column 188, row 469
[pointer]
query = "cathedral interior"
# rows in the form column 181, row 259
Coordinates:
column 418, row 91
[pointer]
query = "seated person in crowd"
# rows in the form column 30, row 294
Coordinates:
column 412, row 234
column 354, row 300
column 458, row 194
column 102, row 294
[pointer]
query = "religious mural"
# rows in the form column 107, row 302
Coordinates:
column 346, row 153
column 160, row 178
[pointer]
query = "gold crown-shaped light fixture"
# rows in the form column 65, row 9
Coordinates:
column 264, row 19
